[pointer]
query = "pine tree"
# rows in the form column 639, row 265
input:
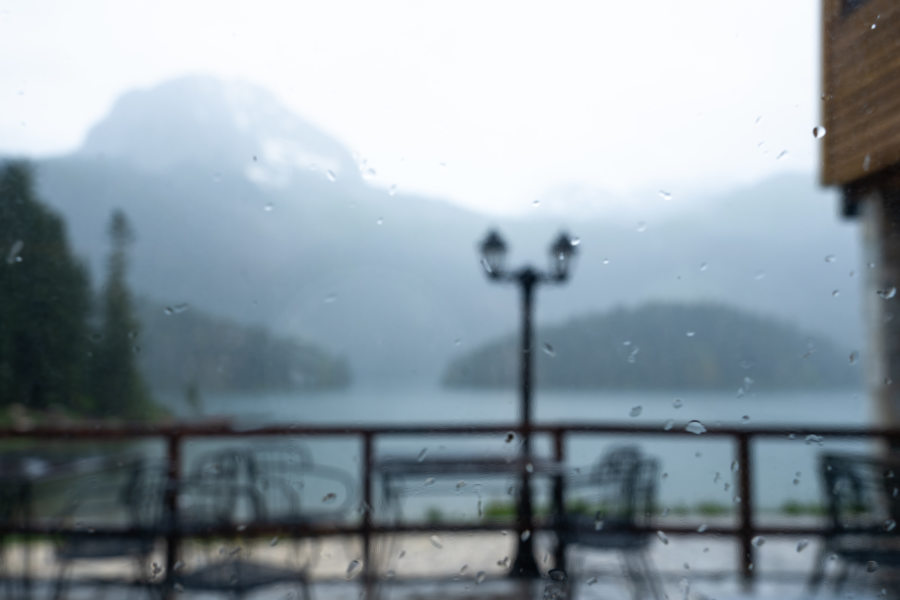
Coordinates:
column 44, row 302
column 118, row 387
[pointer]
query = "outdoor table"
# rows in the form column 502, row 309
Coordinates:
column 393, row 470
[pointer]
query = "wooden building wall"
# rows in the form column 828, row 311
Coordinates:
column 861, row 88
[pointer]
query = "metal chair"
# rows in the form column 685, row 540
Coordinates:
column 611, row 509
column 132, row 497
column 862, row 497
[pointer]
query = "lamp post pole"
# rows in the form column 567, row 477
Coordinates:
column 493, row 250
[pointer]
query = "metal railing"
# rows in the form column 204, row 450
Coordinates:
column 174, row 437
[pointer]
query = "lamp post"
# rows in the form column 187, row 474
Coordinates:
column 493, row 254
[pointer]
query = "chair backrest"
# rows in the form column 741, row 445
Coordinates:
column 623, row 486
column 861, row 492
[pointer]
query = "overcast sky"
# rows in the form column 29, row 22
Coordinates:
column 489, row 104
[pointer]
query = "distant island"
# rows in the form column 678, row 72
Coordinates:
column 663, row 346
column 184, row 348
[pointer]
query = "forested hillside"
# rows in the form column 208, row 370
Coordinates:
column 664, row 346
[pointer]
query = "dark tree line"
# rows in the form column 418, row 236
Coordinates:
column 59, row 348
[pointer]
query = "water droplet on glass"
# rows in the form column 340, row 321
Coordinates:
column 379, row 221
column 695, row 427
column 330, row 175
column 329, row 497
column 605, row 261
column 867, row 162
column 429, row 481
column 392, row 191
column 871, row 566
column 557, row 575
column 818, row 132
column 874, row 25
column 835, row 293
column 269, row 207
column 662, row 537
column 759, row 275
column 548, row 350
column 781, row 155
column 758, row 541
column 703, row 527
column 668, row 425
column 636, row 411
column 274, row 541
column 888, row 293
column 704, row 266
column 503, row 562
column 486, row 266
column 890, row 525
column 575, row 241
column 632, row 357
column 525, row 535
column 479, row 577
column 813, row 439
column 854, row 356
column 353, row 568
column 176, row 309
column 422, row 453
column 12, row 256
column 830, row 258
column 745, row 418
column 592, row 580
column 535, row 203
column 463, row 568
column 690, row 333
column 641, row 227
column 677, row 403
column 665, row 195
column 436, row 542
column 801, row 545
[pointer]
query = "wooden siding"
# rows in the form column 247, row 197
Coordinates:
column 861, row 89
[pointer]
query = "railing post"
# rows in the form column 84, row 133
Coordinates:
column 745, row 495
column 559, row 455
column 367, row 461
column 173, row 534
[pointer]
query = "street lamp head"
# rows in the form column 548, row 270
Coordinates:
column 493, row 254
column 561, row 254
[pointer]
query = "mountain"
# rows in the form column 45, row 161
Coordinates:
column 244, row 209
column 664, row 346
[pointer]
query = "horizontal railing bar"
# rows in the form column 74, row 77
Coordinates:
column 143, row 431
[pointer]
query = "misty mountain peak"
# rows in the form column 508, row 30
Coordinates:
column 223, row 126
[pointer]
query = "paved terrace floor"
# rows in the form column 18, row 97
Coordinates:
column 472, row 566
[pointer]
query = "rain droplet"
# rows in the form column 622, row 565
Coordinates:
column 759, row 275
column 636, row 411
column 835, row 293
column 330, row 175
column 695, row 427
column 758, row 541
column 690, row 333
column 867, row 162
column 274, row 541
column 592, row 580
column 704, row 266
column 890, row 525
column 871, row 566
column 854, row 356
column 392, row 191
column 479, row 577
column 818, row 132
column 662, row 537
column 801, row 545
column 665, row 195
column 330, row 298
column 830, row 258
column 429, row 481
column 888, row 293
column 641, row 227
column 422, row 453
column 548, row 350
column 525, row 535
column 503, row 562
column 269, row 207
column 436, row 542
column 329, row 497
column 510, row 436
column 813, row 439
column 632, row 358
column 874, row 25
column 781, row 155
column 13, row 255
column 353, row 568
column 176, row 309
column 557, row 575
column 703, row 527
column 605, row 261
column 535, row 203
column 379, row 221
column 575, row 241
column 676, row 403
column 669, row 425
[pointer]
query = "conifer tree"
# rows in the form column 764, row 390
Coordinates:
column 44, row 302
column 117, row 385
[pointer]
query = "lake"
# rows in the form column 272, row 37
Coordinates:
column 694, row 469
